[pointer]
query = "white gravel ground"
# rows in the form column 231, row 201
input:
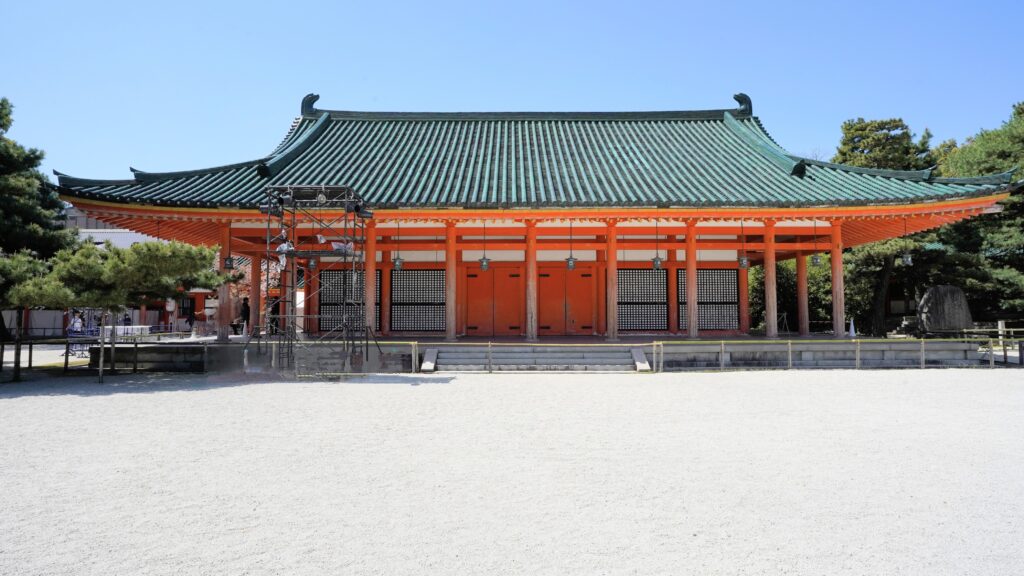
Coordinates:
column 834, row 472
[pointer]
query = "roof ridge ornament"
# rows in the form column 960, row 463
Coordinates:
column 746, row 106
column 307, row 104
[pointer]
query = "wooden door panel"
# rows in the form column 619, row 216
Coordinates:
column 509, row 301
column 479, row 302
column 551, row 301
column 579, row 301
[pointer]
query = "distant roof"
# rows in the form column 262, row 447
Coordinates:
column 701, row 158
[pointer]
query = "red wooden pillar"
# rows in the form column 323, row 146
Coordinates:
column 673, row 288
column 385, row 292
column 744, row 296
column 450, row 262
column 142, row 314
column 612, row 282
column 771, row 307
column 531, row 281
column 370, row 276
column 255, row 282
column 692, row 314
column 224, row 292
column 838, row 291
column 802, row 308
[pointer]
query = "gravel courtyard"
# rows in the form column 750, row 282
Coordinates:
column 804, row 472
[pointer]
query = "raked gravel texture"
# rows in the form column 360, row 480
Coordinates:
column 805, row 472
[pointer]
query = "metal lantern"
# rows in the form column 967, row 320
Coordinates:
column 321, row 199
column 570, row 263
column 908, row 260
column 815, row 259
column 312, row 263
column 484, row 260
column 397, row 262
column 744, row 262
column 656, row 261
column 229, row 263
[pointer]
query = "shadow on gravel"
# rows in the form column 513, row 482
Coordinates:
column 41, row 384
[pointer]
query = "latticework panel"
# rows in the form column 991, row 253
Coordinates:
column 718, row 305
column 337, row 286
column 643, row 299
column 417, row 300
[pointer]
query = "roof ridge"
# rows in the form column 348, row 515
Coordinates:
column 270, row 167
column 745, row 110
column 773, row 152
column 143, row 176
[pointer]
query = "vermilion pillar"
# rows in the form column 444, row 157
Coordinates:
column 223, row 292
column 771, row 308
column 802, row 309
column 612, row 282
column 838, row 291
column 673, row 290
column 255, row 280
column 370, row 276
column 531, row 281
column 744, row 297
column 692, row 314
column 450, row 256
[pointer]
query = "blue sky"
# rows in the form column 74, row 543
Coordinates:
column 184, row 85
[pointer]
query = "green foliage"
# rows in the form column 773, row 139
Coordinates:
column 886, row 144
column 819, row 293
column 112, row 277
column 869, row 270
column 995, row 241
column 15, row 269
column 29, row 207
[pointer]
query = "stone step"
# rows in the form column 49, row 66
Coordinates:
column 549, row 356
column 513, row 361
column 536, row 367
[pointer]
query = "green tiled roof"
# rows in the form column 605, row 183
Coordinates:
column 700, row 158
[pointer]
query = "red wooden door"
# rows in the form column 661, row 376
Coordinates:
column 579, row 301
column 551, row 301
column 479, row 302
column 509, row 300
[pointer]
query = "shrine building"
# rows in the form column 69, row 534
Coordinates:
column 552, row 223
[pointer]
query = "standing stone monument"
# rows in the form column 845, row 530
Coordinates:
column 944, row 309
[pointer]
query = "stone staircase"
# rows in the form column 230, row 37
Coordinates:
column 531, row 358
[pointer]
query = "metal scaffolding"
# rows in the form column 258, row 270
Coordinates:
column 310, row 228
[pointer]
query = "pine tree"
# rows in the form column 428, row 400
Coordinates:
column 887, row 144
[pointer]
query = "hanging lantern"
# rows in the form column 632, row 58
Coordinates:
column 485, row 262
column 570, row 262
column 312, row 264
column 397, row 260
column 815, row 258
column 742, row 259
column 229, row 263
column 656, row 261
column 908, row 260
